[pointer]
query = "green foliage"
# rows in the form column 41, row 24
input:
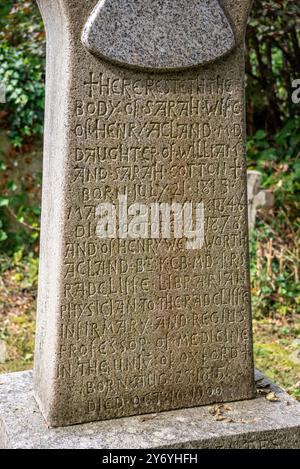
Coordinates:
column 273, row 62
column 16, row 208
column 22, row 71
column 277, row 158
column 18, row 281
column 21, row 25
column 22, row 65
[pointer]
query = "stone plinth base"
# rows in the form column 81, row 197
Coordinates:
column 258, row 423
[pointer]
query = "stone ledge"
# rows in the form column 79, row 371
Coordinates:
column 257, row 423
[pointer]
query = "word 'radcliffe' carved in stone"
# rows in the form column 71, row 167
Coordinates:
column 145, row 309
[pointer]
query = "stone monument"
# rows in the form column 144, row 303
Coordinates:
column 144, row 296
column 144, row 301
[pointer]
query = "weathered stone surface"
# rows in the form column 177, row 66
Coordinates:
column 257, row 198
column 159, row 34
column 257, row 423
column 141, row 323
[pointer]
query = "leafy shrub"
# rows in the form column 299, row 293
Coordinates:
column 22, row 75
column 22, row 67
column 273, row 62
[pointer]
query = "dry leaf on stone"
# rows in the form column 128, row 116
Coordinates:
column 220, row 418
column 272, row 397
column 218, row 409
column 229, row 420
column 145, row 418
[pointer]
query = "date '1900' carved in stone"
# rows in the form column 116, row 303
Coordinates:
column 138, row 316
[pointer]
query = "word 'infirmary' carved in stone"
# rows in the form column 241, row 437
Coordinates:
column 158, row 34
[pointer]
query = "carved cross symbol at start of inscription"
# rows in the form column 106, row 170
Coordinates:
column 91, row 84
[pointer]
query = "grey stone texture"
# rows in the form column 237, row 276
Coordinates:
column 141, row 325
column 254, row 424
column 159, row 34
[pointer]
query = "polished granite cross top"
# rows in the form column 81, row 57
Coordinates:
column 158, row 34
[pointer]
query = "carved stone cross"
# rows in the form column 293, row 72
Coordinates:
column 144, row 297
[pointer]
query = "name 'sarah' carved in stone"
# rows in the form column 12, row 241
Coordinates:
column 158, row 34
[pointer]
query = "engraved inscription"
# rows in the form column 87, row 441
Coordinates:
column 144, row 297
column 146, row 324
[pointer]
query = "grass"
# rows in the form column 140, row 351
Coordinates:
column 17, row 314
column 277, row 351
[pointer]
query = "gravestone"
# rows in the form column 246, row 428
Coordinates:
column 2, row 93
column 258, row 198
column 144, row 297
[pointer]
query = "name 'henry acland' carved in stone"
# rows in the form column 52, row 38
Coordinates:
column 144, row 297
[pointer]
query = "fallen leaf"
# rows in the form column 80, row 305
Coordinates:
column 272, row 397
column 220, row 418
column 227, row 407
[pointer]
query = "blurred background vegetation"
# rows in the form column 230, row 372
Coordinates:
column 273, row 62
